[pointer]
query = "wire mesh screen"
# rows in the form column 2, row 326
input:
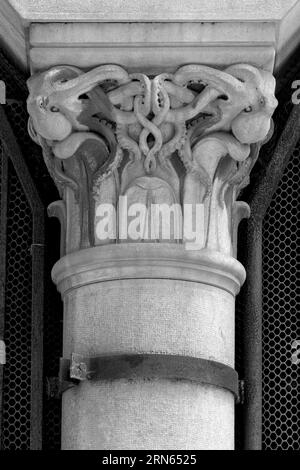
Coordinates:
column 52, row 339
column 17, row 420
column 281, row 321
column 17, row 321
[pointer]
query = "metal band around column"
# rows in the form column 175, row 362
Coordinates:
column 147, row 366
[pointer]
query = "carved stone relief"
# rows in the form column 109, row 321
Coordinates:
column 191, row 137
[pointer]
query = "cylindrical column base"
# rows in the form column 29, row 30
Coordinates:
column 147, row 415
column 148, row 299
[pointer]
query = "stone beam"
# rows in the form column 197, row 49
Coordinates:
column 216, row 33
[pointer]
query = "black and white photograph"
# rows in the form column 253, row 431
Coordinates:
column 149, row 200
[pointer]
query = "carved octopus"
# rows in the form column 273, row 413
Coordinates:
column 70, row 117
column 74, row 118
column 239, row 101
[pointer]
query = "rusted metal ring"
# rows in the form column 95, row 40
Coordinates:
column 148, row 366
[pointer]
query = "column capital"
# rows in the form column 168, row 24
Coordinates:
column 188, row 138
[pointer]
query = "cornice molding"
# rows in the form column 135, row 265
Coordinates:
column 37, row 32
column 151, row 10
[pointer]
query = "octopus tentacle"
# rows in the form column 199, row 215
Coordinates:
column 127, row 143
column 186, row 156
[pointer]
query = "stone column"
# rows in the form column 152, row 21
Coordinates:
column 149, row 299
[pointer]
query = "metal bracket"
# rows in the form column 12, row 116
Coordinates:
column 79, row 368
column 147, row 366
column 52, row 387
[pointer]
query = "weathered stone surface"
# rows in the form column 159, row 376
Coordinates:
column 187, row 139
column 214, row 33
column 106, row 133
column 156, row 312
